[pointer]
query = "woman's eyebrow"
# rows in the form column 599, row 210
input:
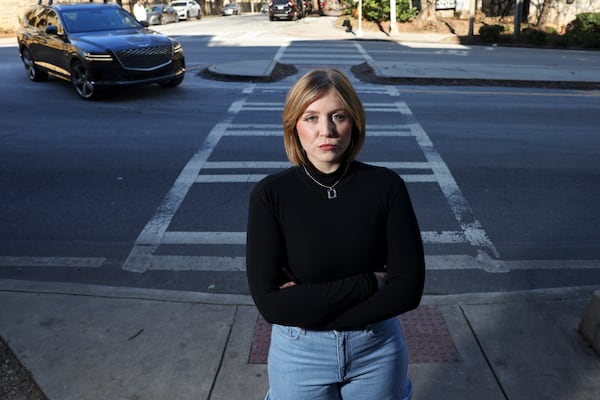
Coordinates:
column 309, row 111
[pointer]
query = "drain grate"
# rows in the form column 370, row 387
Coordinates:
column 425, row 331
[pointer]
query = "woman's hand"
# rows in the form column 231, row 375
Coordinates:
column 287, row 285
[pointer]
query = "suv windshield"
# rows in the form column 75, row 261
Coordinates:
column 77, row 21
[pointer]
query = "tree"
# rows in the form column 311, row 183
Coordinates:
column 547, row 8
column 427, row 13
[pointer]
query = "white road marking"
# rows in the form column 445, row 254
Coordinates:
column 155, row 234
column 151, row 236
column 76, row 262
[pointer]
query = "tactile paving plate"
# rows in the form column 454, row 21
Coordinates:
column 425, row 331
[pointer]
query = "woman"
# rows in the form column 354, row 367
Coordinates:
column 334, row 254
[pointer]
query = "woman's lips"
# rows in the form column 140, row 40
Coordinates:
column 327, row 147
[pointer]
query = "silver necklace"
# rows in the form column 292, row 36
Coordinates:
column 331, row 192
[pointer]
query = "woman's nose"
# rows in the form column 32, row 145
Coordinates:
column 327, row 128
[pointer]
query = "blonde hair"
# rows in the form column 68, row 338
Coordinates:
column 309, row 88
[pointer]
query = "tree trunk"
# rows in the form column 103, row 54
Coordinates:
column 427, row 11
column 547, row 7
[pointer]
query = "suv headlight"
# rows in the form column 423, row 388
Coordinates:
column 91, row 57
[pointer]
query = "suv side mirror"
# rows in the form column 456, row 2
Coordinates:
column 52, row 30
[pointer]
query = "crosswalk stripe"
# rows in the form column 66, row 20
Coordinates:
column 78, row 262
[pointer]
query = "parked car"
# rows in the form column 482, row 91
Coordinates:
column 265, row 8
column 187, row 9
column 287, row 9
column 161, row 14
column 231, row 9
column 95, row 45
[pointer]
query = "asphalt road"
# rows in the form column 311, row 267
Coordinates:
column 148, row 187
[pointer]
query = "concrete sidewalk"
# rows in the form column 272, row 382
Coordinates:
column 492, row 64
column 84, row 342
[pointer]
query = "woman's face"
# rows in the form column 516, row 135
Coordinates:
column 325, row 131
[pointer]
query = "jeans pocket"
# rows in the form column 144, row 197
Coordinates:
column 384, row 328
column 287, row 332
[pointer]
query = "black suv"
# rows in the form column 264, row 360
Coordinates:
column 288, row 9
column 96, row 45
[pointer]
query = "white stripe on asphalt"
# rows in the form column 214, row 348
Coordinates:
column 221, row 264
column 77, row 262
column 239, row 238
column 155, row 233
column 151, row 236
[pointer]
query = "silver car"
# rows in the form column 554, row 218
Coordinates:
column 231, row 9
column 161, row 14
column 187, row 9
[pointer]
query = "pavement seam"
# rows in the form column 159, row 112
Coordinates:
column 222, row 358
column 483, row 353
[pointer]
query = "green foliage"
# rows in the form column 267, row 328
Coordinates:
column 586, row 23
column 490, row 33
column 584, row 30
column 379, row 10
column 376, row 10
column 534, row 36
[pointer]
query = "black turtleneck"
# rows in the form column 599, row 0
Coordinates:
column 331, row 247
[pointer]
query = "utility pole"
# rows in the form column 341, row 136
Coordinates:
column 359, row 31
column 518, row 12
column 393, row 23
column 472, row 17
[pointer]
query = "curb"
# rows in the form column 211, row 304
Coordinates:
column 590, row 324
column 90, row 290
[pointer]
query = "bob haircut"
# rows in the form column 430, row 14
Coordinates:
column 308, row 89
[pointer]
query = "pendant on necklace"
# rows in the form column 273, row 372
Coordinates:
column 331, row 193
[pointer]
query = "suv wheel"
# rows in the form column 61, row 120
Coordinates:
column 79, row 77
column 33, row 72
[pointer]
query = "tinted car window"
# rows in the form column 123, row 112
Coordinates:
column 52, row 19
column 95, row 20
column 38, row 19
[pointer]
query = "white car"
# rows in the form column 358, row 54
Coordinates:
column 187, row 9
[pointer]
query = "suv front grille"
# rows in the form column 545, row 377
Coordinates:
column 145, row 58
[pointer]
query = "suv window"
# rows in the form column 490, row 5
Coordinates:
column 280, row 2
column 53, row 20
column 90, row 20
column 36, row 18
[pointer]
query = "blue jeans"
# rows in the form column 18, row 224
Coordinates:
column 369, row 364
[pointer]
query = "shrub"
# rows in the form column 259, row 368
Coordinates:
column 534, row 36
column 589, row 40
column 585, row 30
column 490, row 33
column 586, row 22
column 561, row 40
column 379, row 10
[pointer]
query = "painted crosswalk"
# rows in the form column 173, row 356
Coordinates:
column 202, row 169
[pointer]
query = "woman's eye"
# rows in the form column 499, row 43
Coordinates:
column 310, row 118
column 339, row 117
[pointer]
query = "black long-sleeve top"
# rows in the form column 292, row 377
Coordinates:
column 331, row 247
